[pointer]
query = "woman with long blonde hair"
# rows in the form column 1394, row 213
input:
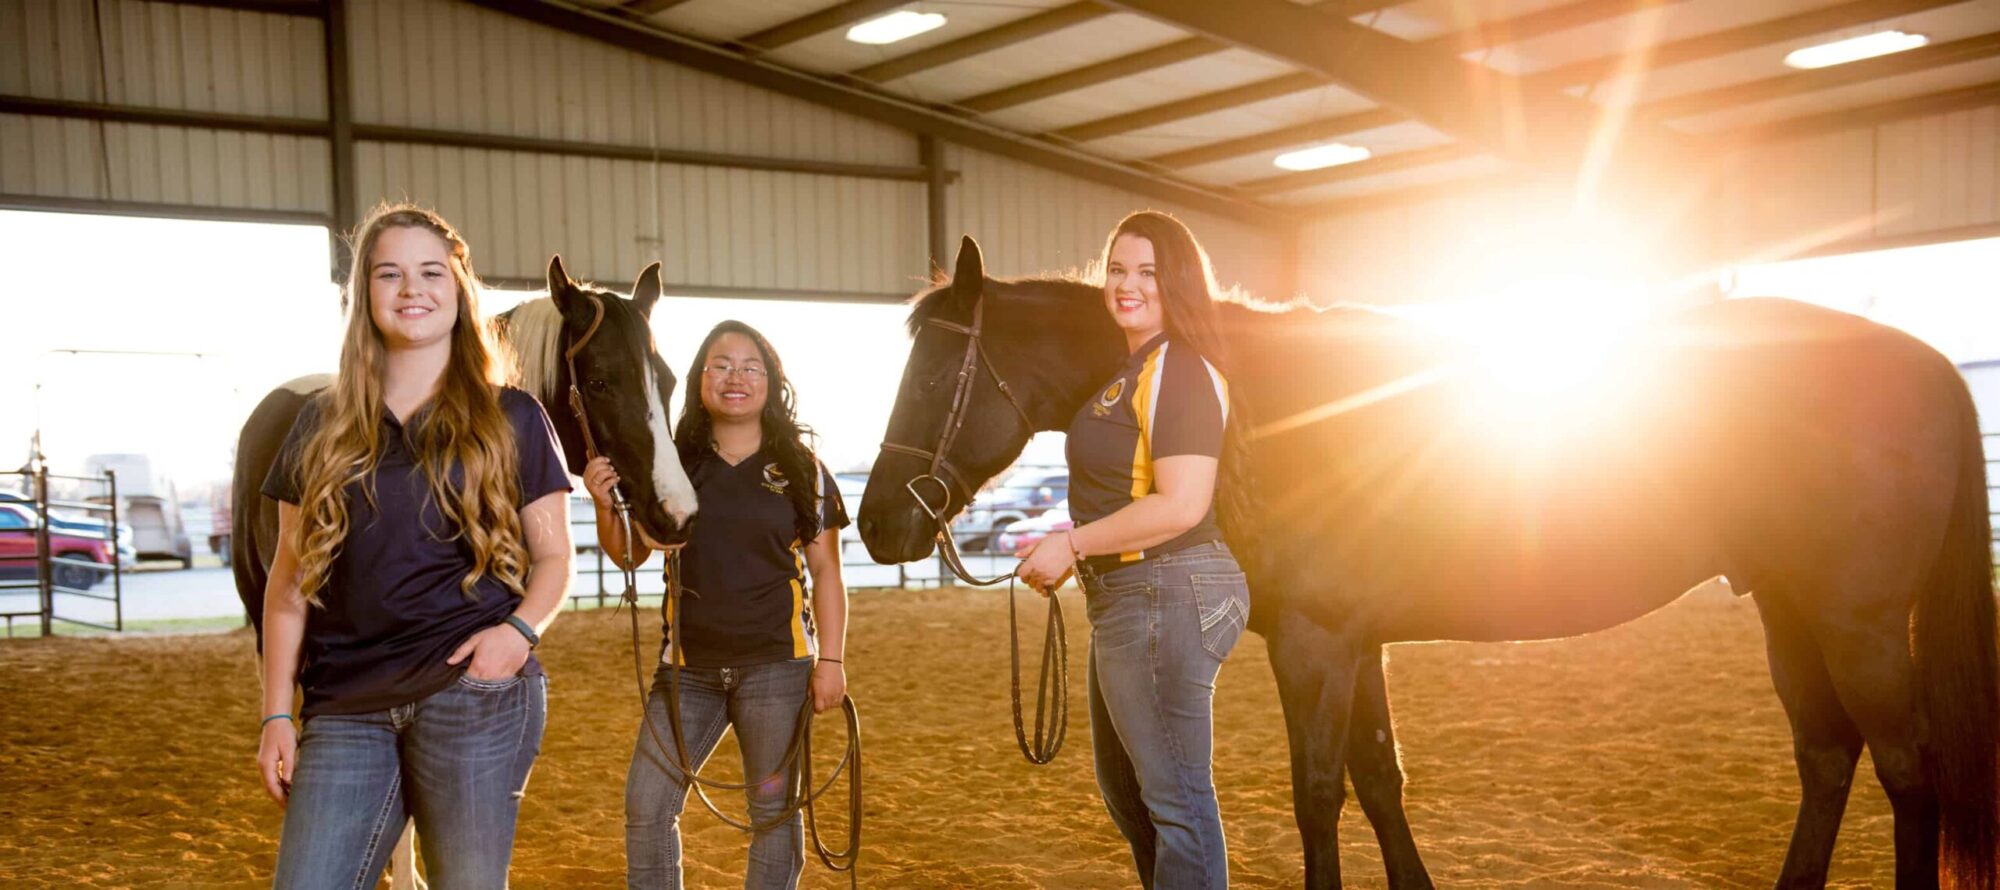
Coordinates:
column 423, row 550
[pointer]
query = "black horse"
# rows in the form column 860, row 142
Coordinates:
column 625, row 388
column 1829, row 465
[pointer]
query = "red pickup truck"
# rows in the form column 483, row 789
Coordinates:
column 17, row 550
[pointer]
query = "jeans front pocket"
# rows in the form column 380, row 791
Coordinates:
column 504, row 683
column 1223, row 600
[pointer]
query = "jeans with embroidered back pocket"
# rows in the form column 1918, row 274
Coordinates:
column 1159, row 631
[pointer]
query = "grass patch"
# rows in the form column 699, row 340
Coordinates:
column 31, row 627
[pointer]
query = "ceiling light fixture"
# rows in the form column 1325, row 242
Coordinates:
column 899, row 25
column 1854, row 49
column 1330, row 155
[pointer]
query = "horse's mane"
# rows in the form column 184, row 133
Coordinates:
column 533, row 333
column 930, row 301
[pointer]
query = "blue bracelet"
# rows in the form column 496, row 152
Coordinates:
column 527, row 630
column 267, row 720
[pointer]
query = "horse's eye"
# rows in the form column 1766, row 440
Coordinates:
column 597, row 385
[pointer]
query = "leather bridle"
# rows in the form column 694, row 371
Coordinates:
column 576, row 394
column 942, row 473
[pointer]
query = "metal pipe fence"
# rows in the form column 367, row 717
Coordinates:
column 857, row 570
column 53, row 572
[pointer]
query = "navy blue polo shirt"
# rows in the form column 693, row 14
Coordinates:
column 743, row 571
column 392, row 608
column 1166, row 401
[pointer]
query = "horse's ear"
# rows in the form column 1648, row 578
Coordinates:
column 970, row 275
column 646, row 290
column 561, row 287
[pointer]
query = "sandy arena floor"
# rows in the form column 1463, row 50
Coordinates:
column 1653, row 755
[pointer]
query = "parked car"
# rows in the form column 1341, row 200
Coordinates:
column 1024, row 494
column 81, row 524
column 18, row 525
column 1028, row 531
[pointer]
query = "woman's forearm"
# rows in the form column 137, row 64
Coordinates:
column 829, row 596
column 285, row 631
column 1147, row 522
column 548, row 588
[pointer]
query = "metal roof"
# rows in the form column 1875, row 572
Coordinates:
column 1201, row 96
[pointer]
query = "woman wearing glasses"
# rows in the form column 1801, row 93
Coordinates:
column 752, row 645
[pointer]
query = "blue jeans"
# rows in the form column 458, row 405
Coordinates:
column 762, row 702
column 1159, row 631
column 457, row 761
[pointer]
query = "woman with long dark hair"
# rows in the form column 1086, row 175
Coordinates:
column 753, row 644
column 1150, row 459
column 423, row 550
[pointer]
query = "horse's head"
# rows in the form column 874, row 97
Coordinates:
column 624, row 388
column 983, row 349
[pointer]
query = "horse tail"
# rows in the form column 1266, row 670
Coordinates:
column 1958, row 673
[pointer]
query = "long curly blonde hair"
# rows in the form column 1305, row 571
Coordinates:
column 463, row 427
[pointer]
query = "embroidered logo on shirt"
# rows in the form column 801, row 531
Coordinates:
column 1109, row 399
column 774, row 478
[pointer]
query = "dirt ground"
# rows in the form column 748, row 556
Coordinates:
column 1653, row 755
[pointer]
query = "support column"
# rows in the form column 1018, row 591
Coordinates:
column 340, row 132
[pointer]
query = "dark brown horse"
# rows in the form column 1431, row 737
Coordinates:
column 625, row 387
column 1829, row 466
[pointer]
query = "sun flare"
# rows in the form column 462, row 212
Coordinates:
column 1538, row 355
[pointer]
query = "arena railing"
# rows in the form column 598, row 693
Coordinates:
column 48, row 580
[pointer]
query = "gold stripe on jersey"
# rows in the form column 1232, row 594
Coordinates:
column 801, row 647
column 1144, row 390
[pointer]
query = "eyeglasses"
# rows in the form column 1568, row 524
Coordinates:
column 722, row 372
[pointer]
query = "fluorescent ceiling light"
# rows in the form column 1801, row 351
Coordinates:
column 1318, row 156
column 1854, row 49
column 899, row 25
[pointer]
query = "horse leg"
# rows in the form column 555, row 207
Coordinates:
column 1377, row 773
column 1315, row 668
column 403, row 861
column 1825, row 743
column 1875, row 678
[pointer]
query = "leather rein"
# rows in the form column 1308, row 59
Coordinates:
column 1051, row 714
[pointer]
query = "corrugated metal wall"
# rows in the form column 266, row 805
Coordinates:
column 1937, row 174
column 162, row 55
column 1029, row 220
column 708, row 226
column 1455, row 247
column 1935, row 177
column 450, row 66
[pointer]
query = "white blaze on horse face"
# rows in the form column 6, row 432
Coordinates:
column 669, row 478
